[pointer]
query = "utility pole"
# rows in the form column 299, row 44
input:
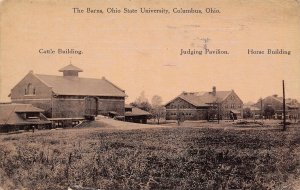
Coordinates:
column 218, row 112
column 177, row 116
column 283, row 106
column 261, row 107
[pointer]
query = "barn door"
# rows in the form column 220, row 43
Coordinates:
column 91, row 106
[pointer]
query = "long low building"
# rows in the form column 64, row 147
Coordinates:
column 204, row 105
column 21, row 117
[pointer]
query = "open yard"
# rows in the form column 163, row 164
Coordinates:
column 154, row 158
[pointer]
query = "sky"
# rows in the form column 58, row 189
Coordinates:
column 141, row 52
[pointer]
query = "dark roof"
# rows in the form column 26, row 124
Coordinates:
column 70, row 68
column 128, row 106
column 114, row 112
column 81, row 86
column 9, row 113
column 136, row 112
column 202, row 99
column 27, row 108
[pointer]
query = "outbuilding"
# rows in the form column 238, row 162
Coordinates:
column 15, row 117
column 136, row 115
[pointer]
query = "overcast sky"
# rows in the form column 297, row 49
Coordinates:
column 141, row 52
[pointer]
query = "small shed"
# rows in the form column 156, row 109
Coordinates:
column 15, row 117
column 136, row 115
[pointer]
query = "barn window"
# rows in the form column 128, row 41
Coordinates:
column 30, row 90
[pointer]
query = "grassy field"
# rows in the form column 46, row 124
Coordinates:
column 157, row 158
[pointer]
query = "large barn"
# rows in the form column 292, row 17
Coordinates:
column 199, row 105
column 69, row 96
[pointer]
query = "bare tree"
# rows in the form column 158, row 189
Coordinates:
column 158, row 110
column 142, row 98
column 142, row 102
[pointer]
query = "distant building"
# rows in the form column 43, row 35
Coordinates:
column 21, row 117
column 251, row 111
column 69, row 96
column 272, row 107
column 198, row 105
column 136, row 115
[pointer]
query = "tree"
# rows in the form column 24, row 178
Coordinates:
column 247, row 113
column 141, row 98
column 158, row 110
column 156, row 100
column 145, row 106
column 142, row 102
column 269, row 112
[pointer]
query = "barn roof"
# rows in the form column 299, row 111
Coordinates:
column 136, row 112
column 208, row 97
column 202, row 99
column 9, row 113
column 287, row 100
column 292, row 103
column 193, row 99
column 81, row 86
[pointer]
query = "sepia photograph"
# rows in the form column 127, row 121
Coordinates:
column 149, row 94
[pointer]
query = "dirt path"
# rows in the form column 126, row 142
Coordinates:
column 115, row 124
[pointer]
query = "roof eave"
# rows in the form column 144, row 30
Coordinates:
column 105, row 95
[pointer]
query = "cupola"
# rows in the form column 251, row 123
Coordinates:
column 70, row 70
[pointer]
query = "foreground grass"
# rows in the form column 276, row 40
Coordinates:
column 173, row 158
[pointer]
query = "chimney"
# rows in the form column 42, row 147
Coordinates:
column 214, row 91
column 275, row 95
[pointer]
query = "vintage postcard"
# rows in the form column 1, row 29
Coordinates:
column 149, row 94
